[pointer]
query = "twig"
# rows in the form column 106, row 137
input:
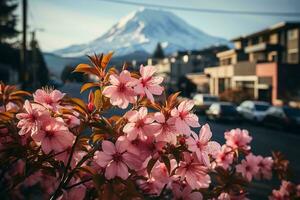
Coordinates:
column 58, row 190
column 79, row 183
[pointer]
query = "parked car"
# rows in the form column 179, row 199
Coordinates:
column 204, row 101
column 283, row 117
column 253, row 110
column 223, row 111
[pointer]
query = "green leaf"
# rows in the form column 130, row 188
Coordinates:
column 166, row 161
column 150, row 165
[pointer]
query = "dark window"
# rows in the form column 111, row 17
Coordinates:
column 292, row 112
column 261, row 107
column 228, row 109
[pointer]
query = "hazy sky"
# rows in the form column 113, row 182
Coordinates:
column 67, row 22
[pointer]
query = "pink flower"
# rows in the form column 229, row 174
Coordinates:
column 150, row 186
column 225, row 157
column 237, row 138
column 48, row 98
column 120, row 92
column 284, row 192
column 116, row 160
column 194, row 172
column 185, row 192
column 224, row 196
column 139, row 124
column 159, row 177
column 77, row 192
column 265, row 168
column 29, row 120
column 71, row 120
column 53, row 135
column 148, row 84
column 77, row 156
column 167, row 130
column 248, row 167
column 183, row 118
column 202, row 146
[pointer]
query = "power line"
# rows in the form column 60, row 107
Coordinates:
column 203, row 10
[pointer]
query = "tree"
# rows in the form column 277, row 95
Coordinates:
column 7, row 20
column 159, row 52
column 67, row 75
column 186, row 86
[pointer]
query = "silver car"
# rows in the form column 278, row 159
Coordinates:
column 253, row 110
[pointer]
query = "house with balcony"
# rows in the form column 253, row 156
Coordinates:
column 191, row 64
column 266, row 64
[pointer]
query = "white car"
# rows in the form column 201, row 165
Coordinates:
column 204, row 101
column 253, row 110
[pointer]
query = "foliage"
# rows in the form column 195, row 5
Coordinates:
column 235, row 95
column 159, row 52
column 58, row 147
column 7, row 20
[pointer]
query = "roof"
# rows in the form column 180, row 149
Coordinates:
column 274, row 27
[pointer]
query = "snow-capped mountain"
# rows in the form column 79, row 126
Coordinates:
column 140, row 31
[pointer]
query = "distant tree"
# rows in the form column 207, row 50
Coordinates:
column 186, row 86
column 236, row 95
column 67, row 75
column 7, row 20
column 159, row 52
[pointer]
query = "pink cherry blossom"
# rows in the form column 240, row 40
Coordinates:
column 224, row 196
column 77, row 156
column 142, row 148
column 194, row 172
column 167, row 131
column 29, row 120
column 53, row 135
column 265, row 167
column 116, row 160
column 225, row 157
column 184, row 118
column 248, row 167
column 181, row 191
column 202, row 146
column 284, row 191
column 139, row 124
column 150, row 186
column 158, row 178
column 71, row 120
column 237, row 138
column 120, row 92
column 148, row 84
column 48, row 98
column 77, row 192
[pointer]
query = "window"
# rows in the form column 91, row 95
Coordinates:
column 292, row 34
column 293, row 57
column 226, row 61
column 274, row 38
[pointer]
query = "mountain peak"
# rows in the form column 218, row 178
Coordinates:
column 141, row 30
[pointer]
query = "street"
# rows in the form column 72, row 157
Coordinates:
column 264, row 140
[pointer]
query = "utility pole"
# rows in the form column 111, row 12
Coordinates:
column 34, row 60
column 23, row 71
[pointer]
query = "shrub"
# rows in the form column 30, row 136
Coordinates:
column 150, row 152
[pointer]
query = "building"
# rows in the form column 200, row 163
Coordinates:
column 266, row 64
column 193, row 63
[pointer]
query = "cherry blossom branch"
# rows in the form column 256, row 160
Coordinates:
column 85, row 158
column 79, row 183
column 60, row 186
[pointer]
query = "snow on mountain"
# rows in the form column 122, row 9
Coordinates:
column 140, row 31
